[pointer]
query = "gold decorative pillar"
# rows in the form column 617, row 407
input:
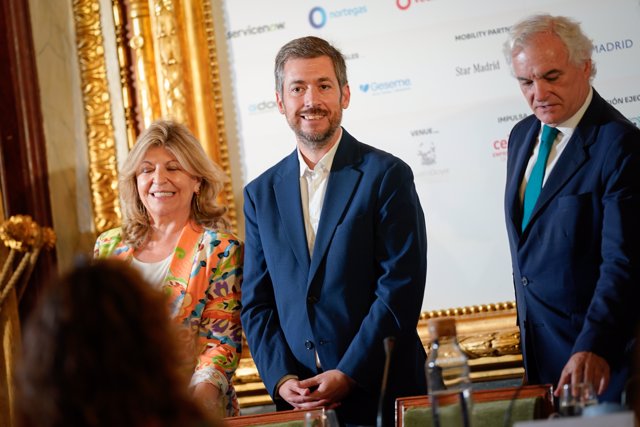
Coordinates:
column 126, row 73
column 103, row 174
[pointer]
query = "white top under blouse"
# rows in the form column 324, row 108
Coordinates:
column 153, row 272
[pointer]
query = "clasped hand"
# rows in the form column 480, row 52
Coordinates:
column 324, row 390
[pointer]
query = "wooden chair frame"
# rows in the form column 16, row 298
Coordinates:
column 268, row 418
column 507, row 393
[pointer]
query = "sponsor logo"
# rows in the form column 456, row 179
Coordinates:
column 480, row 34
column 480, row 67
column 499, row 148
column 383, row 88
column 263, row 107
column 406, row 4
column 318, row 16
column 512, row 118
column 427, row 154
column 612, row 46
column 256, row 30
column 635, row 121
column 422, row 132
column 628, row 99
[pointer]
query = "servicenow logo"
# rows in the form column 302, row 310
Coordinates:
column 255, row 30
column 382, row 88
column 318, row 16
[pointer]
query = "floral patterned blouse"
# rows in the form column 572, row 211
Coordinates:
column 203, row 290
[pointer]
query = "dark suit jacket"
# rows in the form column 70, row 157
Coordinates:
column 575, row 266
column 364, row 282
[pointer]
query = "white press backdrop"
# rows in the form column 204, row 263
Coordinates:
column 429, row 83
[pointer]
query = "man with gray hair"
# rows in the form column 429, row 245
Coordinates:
column 572, row 203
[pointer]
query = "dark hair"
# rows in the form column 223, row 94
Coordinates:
column 307, row 48
column 99, row 350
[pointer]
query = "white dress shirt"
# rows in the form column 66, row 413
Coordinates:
column 313, row 186
column 565, row 133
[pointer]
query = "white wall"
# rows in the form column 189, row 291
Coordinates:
column 429, row 84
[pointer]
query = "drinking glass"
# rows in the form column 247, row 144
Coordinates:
column 573, row 399
column 321, row 418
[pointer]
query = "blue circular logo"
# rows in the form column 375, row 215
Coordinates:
column 317, row 17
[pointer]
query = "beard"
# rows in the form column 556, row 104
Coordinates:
column 318, row 139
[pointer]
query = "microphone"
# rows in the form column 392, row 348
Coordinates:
column 389, row 342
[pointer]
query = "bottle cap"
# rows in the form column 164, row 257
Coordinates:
column 442, row 327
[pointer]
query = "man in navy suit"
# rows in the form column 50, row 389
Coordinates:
column 335, row 255
column 575, row 242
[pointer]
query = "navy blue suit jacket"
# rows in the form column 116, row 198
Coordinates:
column 575, row 266
column 364, row 282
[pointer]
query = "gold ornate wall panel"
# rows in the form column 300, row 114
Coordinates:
column 103, row 174
column 126, row 72
column 222, row 151
column 171, row 64
column 488, row 335
column 138, row 44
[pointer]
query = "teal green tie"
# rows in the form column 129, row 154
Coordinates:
column 532, row 191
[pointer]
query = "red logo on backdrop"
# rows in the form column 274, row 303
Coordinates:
column 403, row 4
column 499, row 148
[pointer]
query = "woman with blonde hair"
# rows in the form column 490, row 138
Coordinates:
column 175, row 233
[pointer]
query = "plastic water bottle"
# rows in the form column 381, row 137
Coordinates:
column 448, row 379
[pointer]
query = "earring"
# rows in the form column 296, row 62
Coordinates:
column 197, row 196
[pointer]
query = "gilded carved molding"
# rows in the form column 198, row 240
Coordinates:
column 488, row 330
column 103, row 175
column 221, row 135
column 170, row 61
column 126, row 76
column 140, row 41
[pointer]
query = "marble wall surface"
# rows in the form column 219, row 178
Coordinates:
column 62, row 111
